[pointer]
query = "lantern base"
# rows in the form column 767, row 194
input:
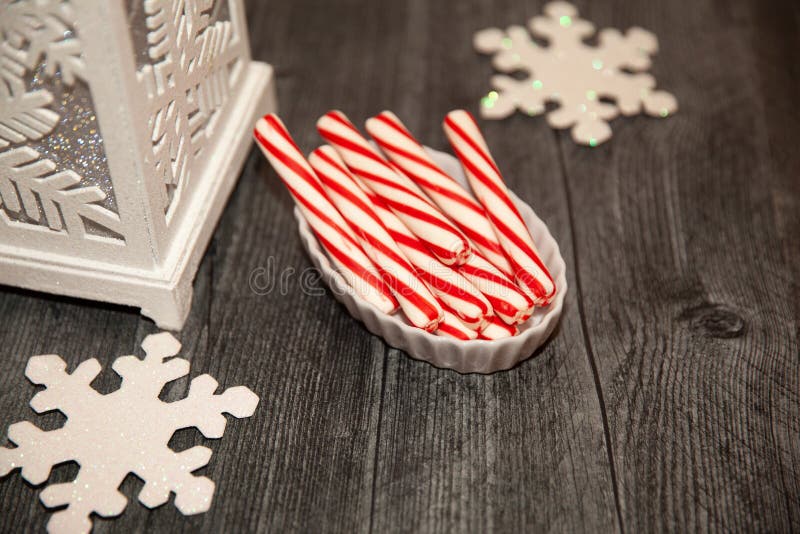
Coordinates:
column 164, row 295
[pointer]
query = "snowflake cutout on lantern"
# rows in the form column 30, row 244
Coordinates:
column 583, row 79
column 187, row 85
column 40, row 35
column 126, row 431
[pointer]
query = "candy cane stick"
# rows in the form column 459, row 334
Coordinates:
column 488, row 185
column 497, row 329
column 407, row 153
column 421, row 308
column 451, row 326
column 452, row 289
column 421, row 217
column 330, row 228
column 507, row 300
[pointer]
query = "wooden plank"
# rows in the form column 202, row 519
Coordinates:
column 775, row 38
column 683, row 274
column 517, row 451
column 307, row 460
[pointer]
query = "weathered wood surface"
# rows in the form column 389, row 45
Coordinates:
column 666, row 400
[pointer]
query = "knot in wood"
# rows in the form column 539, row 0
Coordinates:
column 715, row 320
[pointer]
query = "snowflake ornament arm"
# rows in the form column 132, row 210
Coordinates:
column 583, row 80
column 126, row 431
column 32, row 442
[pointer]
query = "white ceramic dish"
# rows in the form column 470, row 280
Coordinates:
column 477, row 356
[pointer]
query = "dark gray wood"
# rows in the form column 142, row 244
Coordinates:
column 687, row 283
column 516, row 451
column 667, row 398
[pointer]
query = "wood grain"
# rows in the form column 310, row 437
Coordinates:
column 513, row 452
column 666, row 400
column 683, row 280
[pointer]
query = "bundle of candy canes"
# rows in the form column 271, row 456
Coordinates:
column 404, row 234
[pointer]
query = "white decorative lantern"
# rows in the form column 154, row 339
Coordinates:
column 123, row 127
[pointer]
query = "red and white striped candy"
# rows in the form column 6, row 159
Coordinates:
column 331, row 230
column 421, row 308
column 497, row 329
column 408, row 154
column 487, row 183
column 421, row 217
column 452, row 327
column 452, row 289
column 507, row 300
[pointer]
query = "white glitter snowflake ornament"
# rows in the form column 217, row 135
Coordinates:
column 584, row 80
column 126, row 431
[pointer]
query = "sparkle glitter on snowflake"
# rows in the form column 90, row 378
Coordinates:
column 126, row 431
column 591, row 84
